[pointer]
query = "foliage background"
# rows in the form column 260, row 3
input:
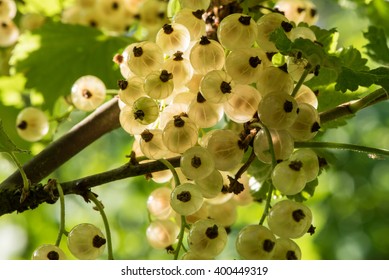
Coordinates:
column 350, row 206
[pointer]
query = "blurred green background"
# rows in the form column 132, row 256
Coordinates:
column 350, row 206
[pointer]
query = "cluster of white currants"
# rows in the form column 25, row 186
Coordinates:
column 287, row 220
column 85, row 242
column 9, row 32
column 183, row 83
column 176, row 91
column 116, row 16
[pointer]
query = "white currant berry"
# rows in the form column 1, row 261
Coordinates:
column 32, row 124
column 283, row 145
column 131, row 89
column 174, row 109
column 129, row 122
column 180, row 68
column 245, row 65
column 255, row 242
column 86, row 241
column 158, row 203
column 278, row 110
column 180, row 134
column 192, row 20
column 242, row 103
column 88, row 92
column 197, row 163
column 159, row 84
column 207, row 238
column 310, row 162
column 289, row 219
column 286, row 249
column 224, row 214
column 206, row 55
column 224, row 145
column 151, row 144
column 205, row 114
column 144, row 57
column 145, row 110
column 289, row 177
column 216, row 86
column 211, row 185
column 274, row 79
column 186, row 199
column 162, row 233
column 200, row 214
column 307, row 123
column 237, row 31
column 172, row 38
column 306, row 95
column 48, row 252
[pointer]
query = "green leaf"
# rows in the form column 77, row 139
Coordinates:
column 329, row 98
column 313, row 52
column 350, row 79
column 377, row 48
column 328, row 39
column 63, row 54
column 352, row 58
column 6, row 144
column 381, row 77
column 353, row 72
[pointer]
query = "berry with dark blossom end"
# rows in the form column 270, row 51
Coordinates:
column 289, row 219
column 48, row 252
column 255, row 242
column 86, row 241
column 186, row 199
column 207, row 238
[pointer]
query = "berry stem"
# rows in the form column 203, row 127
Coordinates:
column 180, row 237
column 372, row 152
column 172, row 169
column 274, row 163
column 26, row 182
column 62, row 217
column 183, row 219
column 100, row 207
column 246, row 165
column 300, row 82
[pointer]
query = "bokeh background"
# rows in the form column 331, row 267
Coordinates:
column 350, row 206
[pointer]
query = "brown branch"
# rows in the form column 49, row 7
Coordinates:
column 39, row 194
column 350, row 108
column 100, row 122
column 80, row 186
